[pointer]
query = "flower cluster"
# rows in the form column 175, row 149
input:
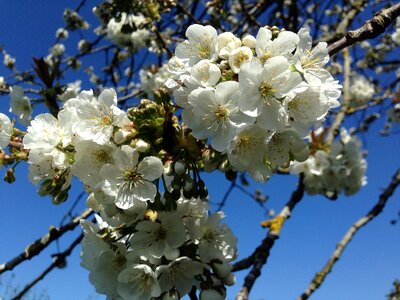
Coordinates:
column 396, row 34
column 5, row 131
column 165, row 254
column 153, row 78
column 128, row 31
column 254, row 98
column 152, row 242
column 20, row 105
column 361, row 91
column 340, row 170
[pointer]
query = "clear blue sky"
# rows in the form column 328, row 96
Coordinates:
column 366, row 270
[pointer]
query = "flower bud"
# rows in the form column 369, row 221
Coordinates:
column 249, row 41
column 188, row 185
column 210, row 295
column 179, row 168
column 142, row 146
column 229, row 280
column 9, row 176
column 168, row 170
column 61, row 33
column 84, row 46
column 221, row 269
column 171, row 295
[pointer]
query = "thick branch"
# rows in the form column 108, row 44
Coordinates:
column 375, row 211
column 261, row 254
column 370, row 30
column 59, row 261
column 39, row 245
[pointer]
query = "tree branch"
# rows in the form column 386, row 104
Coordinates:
column 346, row 99
column 355, row 7
column 374, row 212
column 370, row 30
column 59, row 262
column 259, row 257
column 39, row 245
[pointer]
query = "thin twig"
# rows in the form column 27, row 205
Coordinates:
column 226, row 196
column 59, row 261
column 374, row 212
column 39, row 245
column 347, row 18
column 370, row 30
column 261, row 254
column 346, row 99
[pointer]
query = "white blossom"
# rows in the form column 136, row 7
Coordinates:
column 158, row 239
column 130, row 180
column 226, row 43
column 90, row 157
column 238, row 57
column 309, row 61
column 138, row 282
column 361, row 90
column 282, row 45
column 71, row 91
column 97, row 118
column 216, row 240
column 262, row 88
column 200, row 44
column 20, row 105
column 179, row 273
column 247, row 151
column 219, row 114
column 6, row 128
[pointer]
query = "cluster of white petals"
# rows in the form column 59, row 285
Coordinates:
column 342, row 170
column 253, row 98
column 128, row 30
column 361, row 90
column 75, row 142
column 152, row 81
column 20, row 105
column 165, row 254
column 136, row 251
column 396, row 34
column 5, row 131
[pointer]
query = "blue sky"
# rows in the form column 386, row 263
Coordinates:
column 366, row 270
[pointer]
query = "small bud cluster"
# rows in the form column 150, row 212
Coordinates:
column 254, row 98
column 342, row 170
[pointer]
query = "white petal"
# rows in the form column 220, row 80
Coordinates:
column 151, row 168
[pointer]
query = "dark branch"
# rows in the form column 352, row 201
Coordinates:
column 374, row 212
column 58, row 262
column 260, row 256
column 370, row 30
column 39, row 245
